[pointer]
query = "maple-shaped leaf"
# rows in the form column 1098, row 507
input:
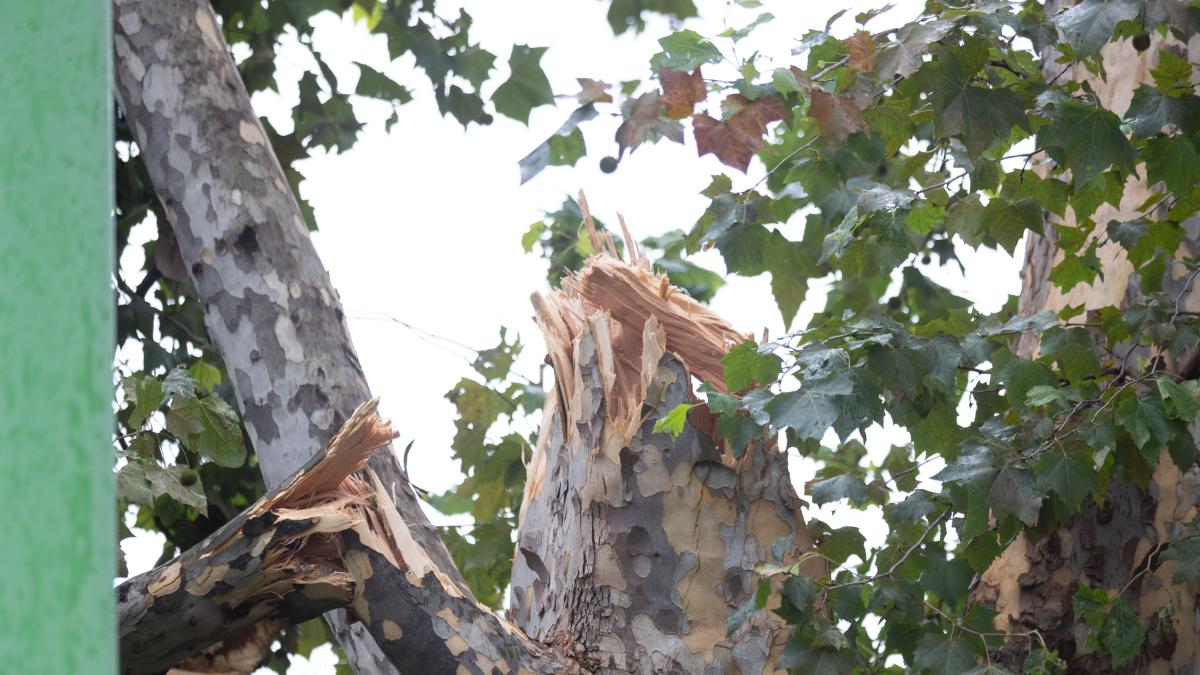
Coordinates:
column 735, row 140
column 592, row 91
column 681, row 91
column 643, row 123
column 862, row 51
column 527, row 86
column 838, row 116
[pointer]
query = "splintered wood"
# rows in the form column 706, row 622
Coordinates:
column 636, row 316
column 636, row 547
column 282, row 557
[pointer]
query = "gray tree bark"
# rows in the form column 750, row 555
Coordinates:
column 270, row 308
column 635, row 549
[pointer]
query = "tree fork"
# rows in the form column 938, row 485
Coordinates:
column 270, row 308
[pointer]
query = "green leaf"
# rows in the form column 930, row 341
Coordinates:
column 1071, row 479
column 1043, row 662
column 1089, row 25
column 844, row 486
column 816, row 660
column 146, row 394
column 1186, row 554
column 375, row 84
column 1145, row 420
column 626, row 15
column 674, row 420
column 686, row 51
column 1151, row 110
column 744, row 366
column 209, row 427
column 809, row 413
column 939, row 654
column 1173, row 74
column 141, row 482
column 207, row 376
column 1174, row 161
column 1122, row 633
column 980, row 115
column 1042, row 394
column 564, row 148
column 1085, row 138
column 1013, row 492
column 1180, row 399
column 179, row 382
column 1091, row 604
column 526, row 87
column 474, row 65
column 972, row 468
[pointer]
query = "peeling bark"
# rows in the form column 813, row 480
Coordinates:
column 635, row 549
column 270, row 308
column 280, row 559
column 328, row 537
column 1032, row 583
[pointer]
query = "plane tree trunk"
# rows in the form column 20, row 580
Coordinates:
column 636, row 549
column 1114, row 544
column 270, row 308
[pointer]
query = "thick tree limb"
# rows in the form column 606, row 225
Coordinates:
column 270, row 308
column 326, row 538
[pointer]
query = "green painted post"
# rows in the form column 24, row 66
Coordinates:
column 57, row 553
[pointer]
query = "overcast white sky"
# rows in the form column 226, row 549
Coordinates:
column 424, row 223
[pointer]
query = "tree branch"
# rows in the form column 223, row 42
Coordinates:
column 326, row 538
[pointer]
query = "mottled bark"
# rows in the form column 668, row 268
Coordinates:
column 280, row 559
column 270, row 308
column 328, row 537
column 635, row 549
column 1109, row 544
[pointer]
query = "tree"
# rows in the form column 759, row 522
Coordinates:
column 1050, row 530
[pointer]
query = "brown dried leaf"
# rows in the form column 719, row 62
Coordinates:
column 862, row 51
column 802, row 78
column 735, row 140
column 837, row 116
column 642, row 116
column 681, row 91
column 593, row 91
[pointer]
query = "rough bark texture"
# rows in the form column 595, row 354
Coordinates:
column 270, row 307
column 635, row 549
column 326, row 538
column 279, row 559
column 1032, row 583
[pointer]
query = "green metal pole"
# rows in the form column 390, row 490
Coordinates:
column 57, row 505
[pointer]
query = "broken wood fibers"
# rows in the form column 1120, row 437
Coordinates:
column 327, row 538
column 635, row 548
column 279, row 558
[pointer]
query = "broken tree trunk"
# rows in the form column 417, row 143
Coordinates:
column 326, row 538
column 270, row 308
column 635, row 549
column 1115, row 544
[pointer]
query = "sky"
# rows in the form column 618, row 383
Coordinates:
column 423, row 225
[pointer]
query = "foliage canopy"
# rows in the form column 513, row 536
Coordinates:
column 886, row 151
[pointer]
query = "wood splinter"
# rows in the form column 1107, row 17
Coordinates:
column 279, row 560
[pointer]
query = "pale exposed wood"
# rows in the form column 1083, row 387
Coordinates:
column 328, row 537
column 634, row 548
